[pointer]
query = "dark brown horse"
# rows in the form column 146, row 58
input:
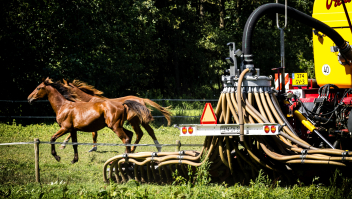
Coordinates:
column 88, row 93
column 87, row 116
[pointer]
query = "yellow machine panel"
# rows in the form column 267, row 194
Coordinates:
column 328, row 69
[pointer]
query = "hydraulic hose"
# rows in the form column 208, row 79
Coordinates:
column 219, row 106
column 247, row 102
column 278, row 109
column 257, row 99
column 229, row 104
column 239, row 104
column 307, row 146
column 280, row 121
column 295, row 14
column 224, row 108
column 266, row 107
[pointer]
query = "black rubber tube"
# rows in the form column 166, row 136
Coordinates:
column 278, row 109
column 291, row 12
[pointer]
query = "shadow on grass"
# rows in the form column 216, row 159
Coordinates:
column 105, row 152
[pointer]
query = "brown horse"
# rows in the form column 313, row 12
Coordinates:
column 88, row 93
column 87, row 116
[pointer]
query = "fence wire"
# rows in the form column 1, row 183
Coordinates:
column 98, row 144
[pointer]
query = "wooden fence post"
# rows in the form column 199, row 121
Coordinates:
column 178, row 147
column 36, row 157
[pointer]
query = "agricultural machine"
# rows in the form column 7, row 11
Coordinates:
column 299, row 128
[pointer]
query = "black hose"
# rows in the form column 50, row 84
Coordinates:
column 291, row 12
column 278, row 109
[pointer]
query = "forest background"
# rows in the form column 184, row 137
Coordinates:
column 152, row 49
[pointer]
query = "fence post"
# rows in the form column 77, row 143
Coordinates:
column 178, row 147
column 36, row 157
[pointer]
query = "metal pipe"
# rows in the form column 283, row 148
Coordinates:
column 239, row 103
column 311, row 127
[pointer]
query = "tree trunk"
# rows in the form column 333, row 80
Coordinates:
column 201, row 8
column 222, row 14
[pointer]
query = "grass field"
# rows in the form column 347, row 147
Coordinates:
column 85, row 180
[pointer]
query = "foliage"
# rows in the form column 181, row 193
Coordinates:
column 154, row 49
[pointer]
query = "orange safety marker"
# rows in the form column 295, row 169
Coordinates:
column 208, row 116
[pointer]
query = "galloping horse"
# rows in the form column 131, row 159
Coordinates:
column 88, row 93
column 87, row 116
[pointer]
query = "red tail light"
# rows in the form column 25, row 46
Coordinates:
column 190, row 130
column 266, row 129
column 273, row 129
column 184, row 130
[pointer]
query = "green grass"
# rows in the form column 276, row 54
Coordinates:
column 18, row 160
column 85, row 180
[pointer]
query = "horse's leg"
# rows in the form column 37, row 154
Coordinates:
column 125, row 136
column 58, row 134
column 95, row 136
column 152, row 134
column 74, row 140
column 139, row 133
column 63, row 145
column 129, row 135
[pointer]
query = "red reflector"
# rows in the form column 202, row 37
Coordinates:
column 273, row 129
column 266, row 129
column 190, row 130
column 184, row 130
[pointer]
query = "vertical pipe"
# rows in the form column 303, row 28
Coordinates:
column 136, row 173
column 228, row 154
column 160, row 175
column 239, row 104
column 223, row 105
column 123, row 177
column 128, row 172
column 148, row 172
column 118, row 181
column 218, row 106
column 36, row 159
column 141, row 168
column 221, row 152
column 153, row 172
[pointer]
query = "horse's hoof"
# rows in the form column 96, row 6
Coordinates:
column 93, row 149
column 62, row 147
column 74, row 161
column 57, row 158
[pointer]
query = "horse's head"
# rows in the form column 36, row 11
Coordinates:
column 39, row 92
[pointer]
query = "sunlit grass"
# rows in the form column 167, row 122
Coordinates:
column 84, row 178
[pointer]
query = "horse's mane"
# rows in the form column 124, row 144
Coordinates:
column 89, row 89
column 71, row 96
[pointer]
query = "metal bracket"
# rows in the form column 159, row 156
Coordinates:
column 277, row 16
column 344, row 154
column 281, row 126
column 304, row 154
column 125, row 155
column 154, row 154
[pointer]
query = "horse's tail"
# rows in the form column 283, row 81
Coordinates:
column 164, row 110
column 139, row 110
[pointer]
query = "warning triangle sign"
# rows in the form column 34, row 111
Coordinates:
column 208, row 116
